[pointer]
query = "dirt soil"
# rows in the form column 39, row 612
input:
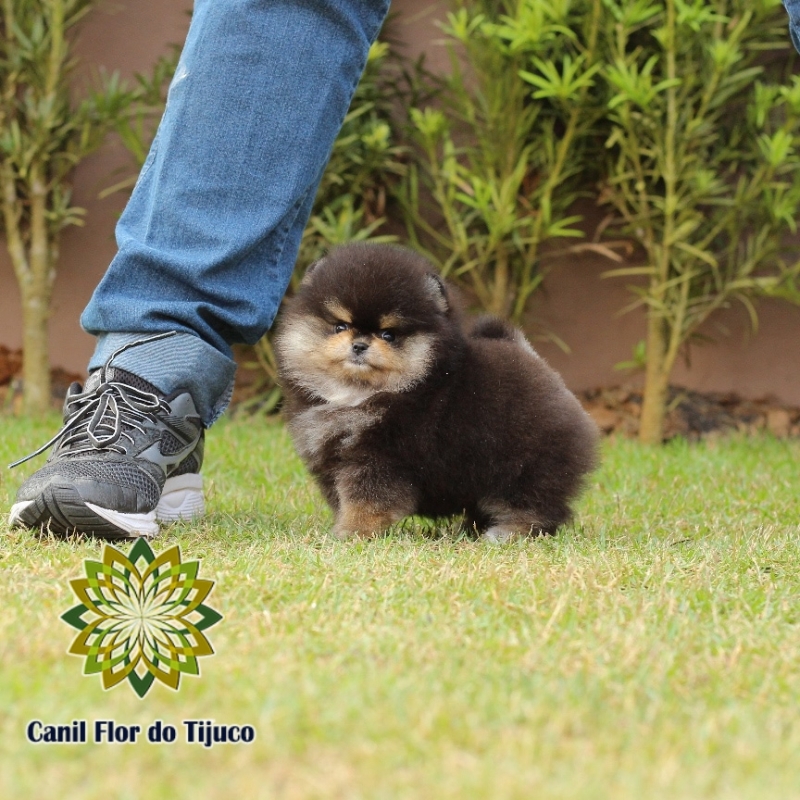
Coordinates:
column 11, row 381
column 691, row 414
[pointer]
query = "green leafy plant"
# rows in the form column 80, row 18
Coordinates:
column 44, row 134
column 703, row 164
column 638, row 359
column 503, row 157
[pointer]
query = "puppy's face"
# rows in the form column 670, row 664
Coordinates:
column 367, row 319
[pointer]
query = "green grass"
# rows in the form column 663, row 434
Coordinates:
column 651, row 650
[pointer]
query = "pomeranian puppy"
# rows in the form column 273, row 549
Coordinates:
column 398, row 407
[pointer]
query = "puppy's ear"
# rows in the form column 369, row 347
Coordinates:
column 311, row 267
column 437, row 291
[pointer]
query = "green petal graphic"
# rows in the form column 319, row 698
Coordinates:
column 141, row 617
column 73, row 617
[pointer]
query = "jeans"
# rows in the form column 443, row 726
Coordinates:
column 793, row 7
column 208, row 240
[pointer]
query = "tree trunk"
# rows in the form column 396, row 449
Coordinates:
column 498, row 304
column 656, row 381
column 35, row 360
column 661, row 349
column 37, row 290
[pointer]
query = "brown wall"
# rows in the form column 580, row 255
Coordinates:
column 585, row 314
column 128, row 37
column 577, row 304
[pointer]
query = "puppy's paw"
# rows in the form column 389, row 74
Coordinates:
column 362, row 522
column 506, row 524
column 500, row 534
column 346, row 534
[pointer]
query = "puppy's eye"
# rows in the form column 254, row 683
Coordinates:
column 339, row 327
column 387, row 336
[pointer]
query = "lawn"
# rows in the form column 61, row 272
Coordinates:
column 650, row 650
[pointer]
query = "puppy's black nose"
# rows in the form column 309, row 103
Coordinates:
column 359, row 347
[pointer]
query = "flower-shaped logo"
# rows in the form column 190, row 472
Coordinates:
column 141, row 617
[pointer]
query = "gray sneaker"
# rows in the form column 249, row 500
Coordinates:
column 126, row 458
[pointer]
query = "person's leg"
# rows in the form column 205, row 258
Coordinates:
column 209, row 238
column 793, row 9
column 207, row 244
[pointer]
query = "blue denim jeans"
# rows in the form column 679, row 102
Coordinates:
column 793, row 7
column 208, row 241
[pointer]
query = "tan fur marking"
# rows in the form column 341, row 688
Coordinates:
column 339, row 311
column 391, row 321
column 417, row 353
column 356, row 521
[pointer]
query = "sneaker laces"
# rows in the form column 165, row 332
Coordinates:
column 99, row 416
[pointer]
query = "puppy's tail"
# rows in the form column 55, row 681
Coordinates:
column 488, row 327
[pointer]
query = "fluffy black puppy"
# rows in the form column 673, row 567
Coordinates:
column 398, row 408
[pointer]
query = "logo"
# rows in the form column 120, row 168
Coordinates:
column 141, row 617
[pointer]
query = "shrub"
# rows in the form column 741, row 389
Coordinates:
column 504, row 156
column 702, row 163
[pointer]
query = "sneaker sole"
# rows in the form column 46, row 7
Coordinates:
column 62, row 510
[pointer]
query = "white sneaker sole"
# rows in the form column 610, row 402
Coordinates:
column 181, row 499
column 16, row 512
